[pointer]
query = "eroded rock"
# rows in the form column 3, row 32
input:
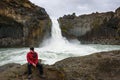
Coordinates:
column 100, row 28
column 22, row 23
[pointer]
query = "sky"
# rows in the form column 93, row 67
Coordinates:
column 59, row 8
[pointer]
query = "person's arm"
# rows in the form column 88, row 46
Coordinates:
column 28, row 59
column 36, row 61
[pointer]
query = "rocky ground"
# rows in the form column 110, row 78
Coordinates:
column 97, row 66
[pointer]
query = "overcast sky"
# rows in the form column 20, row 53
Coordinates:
column 57, row 8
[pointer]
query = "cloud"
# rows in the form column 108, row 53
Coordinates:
column 57, row 8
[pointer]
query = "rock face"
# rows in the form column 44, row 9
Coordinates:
column 98, row 66
column 22, row 23
column 101, row 28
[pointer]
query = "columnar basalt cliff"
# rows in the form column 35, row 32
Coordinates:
column 100, row 28
column 22, row 23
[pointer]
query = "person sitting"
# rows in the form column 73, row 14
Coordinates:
column 32, row 59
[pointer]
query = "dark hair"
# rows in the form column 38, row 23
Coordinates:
column 32, row 48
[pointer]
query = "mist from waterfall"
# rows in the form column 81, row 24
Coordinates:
column 53, row 49
column 58, row 47
column 58, row 43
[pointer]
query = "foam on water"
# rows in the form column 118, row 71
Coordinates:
column 53, row 49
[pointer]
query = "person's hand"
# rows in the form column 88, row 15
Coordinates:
column 34, row 65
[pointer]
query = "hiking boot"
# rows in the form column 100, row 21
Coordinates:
column 42, row 76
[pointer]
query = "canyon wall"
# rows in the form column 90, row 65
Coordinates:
column 97, row 28
column 22, row 23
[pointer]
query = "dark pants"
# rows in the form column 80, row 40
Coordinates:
column 39, row 66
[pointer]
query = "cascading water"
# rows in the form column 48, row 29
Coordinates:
column 58, row 43
column 56, row 32
column 54, row 49
column 58, row 47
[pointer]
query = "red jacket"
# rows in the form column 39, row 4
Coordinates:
column 32, row 57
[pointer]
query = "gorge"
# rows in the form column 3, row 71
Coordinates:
column 58, row 43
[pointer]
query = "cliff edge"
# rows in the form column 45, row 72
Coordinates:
column 22, row 23
column 95, row 28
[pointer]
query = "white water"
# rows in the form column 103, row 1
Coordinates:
column 54, row 49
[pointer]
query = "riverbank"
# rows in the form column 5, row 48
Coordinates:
column 97, row 66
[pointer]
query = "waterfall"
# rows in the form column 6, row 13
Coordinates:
column 59, row 44
column 57, row 39
column 54, row 49
column 56, row 42
column 56, row 32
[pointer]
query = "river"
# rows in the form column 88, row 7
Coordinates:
column 53, row 49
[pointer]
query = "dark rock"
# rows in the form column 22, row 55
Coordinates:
column 100, row 28
column 117, row 12
column 22, row 23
